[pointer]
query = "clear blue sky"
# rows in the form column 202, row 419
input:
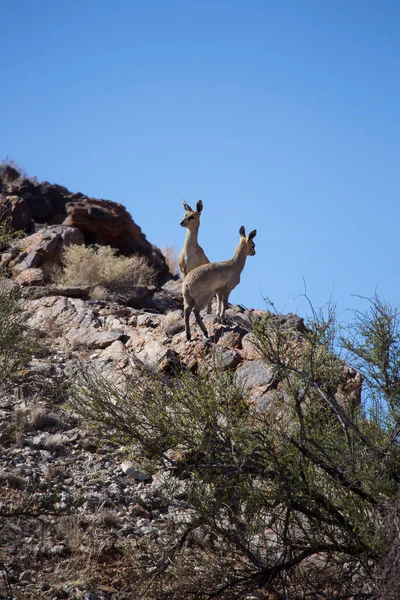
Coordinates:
column 280, row 115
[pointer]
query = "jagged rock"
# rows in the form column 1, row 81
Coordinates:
column 131, row 471
column 135, row 296
column 42, row 247
column 100, row 222
column 107, row 223
column 19, row 212
column 162, row 302
column 153, row 353
column 227, row 359
column 7, row 286
column 232, row 337
column 8, row 174
column 174, row 288
column 56, row 290
column 120, row 335
column 29, row 277
column 148, row 320
column 90, row 338
column 248, row 347
column 118, row 353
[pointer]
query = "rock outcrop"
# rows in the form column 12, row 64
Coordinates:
column 87, row 483
column 31, row 258
column 82, row 486
column 31, row 206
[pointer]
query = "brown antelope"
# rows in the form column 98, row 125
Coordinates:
column 192, row 255
column 219, row 278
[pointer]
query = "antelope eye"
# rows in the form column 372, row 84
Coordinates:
column 191, row 218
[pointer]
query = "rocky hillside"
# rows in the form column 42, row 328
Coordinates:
column 76, row 513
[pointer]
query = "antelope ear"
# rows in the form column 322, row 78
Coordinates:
column 252, row 234
column 242, row 231
column 186, row 206
column 199, row 206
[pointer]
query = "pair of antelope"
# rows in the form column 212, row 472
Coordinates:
column 202, row 279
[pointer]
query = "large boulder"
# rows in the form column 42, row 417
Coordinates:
column 30, row 205
column 108, row 223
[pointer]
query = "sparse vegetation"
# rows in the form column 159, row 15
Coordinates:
column 17, row 172
column 293, row 497
column 17, row 341
column 41, row 418
column 100, row 266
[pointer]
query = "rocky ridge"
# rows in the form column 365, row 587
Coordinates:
column 75, row 510
column 51, row 209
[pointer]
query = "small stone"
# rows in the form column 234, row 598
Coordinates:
column 60, row 550
column 146, row 530
column 140, row 511
column 126, row 530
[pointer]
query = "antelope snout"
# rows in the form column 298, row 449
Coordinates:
column 182, row 223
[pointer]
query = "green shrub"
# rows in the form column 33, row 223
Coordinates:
column 292, row 496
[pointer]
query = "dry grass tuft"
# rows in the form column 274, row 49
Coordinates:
column 53, row 442
column 107, row 519
column 40, row 418
column 22, row 174
column 101, row 266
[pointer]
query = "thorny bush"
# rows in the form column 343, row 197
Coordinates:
column 293, row 495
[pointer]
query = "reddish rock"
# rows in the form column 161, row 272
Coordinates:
column 109, row 224
column 30, row 277
column 232, row 338
column 101, row 222
column 249, row 350
column 18, row 211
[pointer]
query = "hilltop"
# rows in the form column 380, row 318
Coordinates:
column 81, row 518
